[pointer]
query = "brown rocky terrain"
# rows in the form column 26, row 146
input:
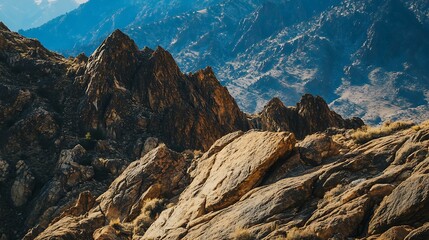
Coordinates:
column 123, row 145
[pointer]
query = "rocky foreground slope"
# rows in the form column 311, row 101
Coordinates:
column 264, row 185
column 122, row 145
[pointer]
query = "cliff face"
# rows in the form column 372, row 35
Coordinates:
column 185, row 111
column 95, row 147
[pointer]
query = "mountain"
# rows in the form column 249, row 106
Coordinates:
column 91, row 23
column 353, row 54
column 25, row 14
column 69, row 125
column 123, row 145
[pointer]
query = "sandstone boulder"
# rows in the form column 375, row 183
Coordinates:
column 232, row 167
column 403, row 204
column 420, row 233
column 381, row 190
column 160, row 173
column 316, row 147
column 396, row 233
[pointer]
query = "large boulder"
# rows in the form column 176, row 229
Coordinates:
column 408, row 202
column 232, row 167
column 160, row 173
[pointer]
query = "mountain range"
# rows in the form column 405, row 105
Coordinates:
column 25, row 14
column 366, row 58
column 123, row 145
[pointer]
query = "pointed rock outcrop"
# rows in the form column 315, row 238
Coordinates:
column 146, row 88
column 3, row 27
column 310, row 115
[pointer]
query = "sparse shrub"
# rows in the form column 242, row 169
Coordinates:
column 149, row 213
column 334, row 192
column 301, row 234
column 120, row 228
column 88, row 136
column 242, row 234
column 367, row 133
column 422, row 125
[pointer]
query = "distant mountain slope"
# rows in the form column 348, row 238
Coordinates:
column 367, row 58
column 25, row 14
column 86, row 27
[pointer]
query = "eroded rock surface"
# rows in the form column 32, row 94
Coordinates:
column 235, row 188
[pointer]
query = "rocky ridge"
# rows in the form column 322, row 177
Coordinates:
column 105, row 156
column 350, row 53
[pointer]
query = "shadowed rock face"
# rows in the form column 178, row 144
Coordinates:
column 185, row 111
column 310, row 115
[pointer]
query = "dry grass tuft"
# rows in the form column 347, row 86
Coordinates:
column 421, row 126
column 367, row 133
column 335, row 192
column 301, row 234
column 242, row 234
column 149, row 213
column 120, row 228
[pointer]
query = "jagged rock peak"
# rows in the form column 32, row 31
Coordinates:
column 147, row 52
column 82, row 57
column 117, row 42
column 160, row 52
column 308, row 100
column 202, row 74
column 311, row 114
column 3, row 27
column 274, row 103
column 165, row 60
column 208, row 71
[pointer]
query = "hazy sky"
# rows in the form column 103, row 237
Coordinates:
column 24, row 14
column 77, row 1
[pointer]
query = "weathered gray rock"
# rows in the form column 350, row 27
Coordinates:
column 70, row 171
column 149, row 144
column 23, row 185
column 113, row 166
column 4, row 170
